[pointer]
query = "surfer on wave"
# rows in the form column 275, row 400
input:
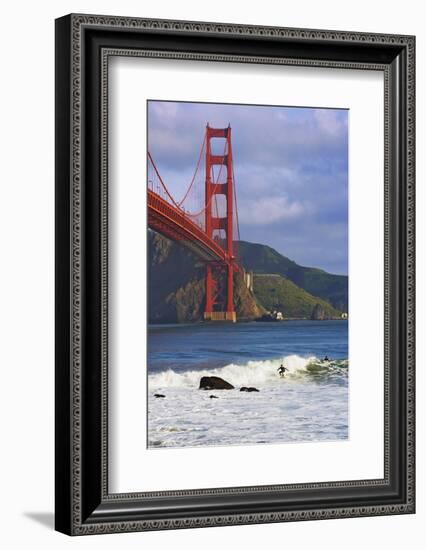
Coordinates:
column 282, row 370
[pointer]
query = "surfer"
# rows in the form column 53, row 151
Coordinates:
column 282, row 370
column 326, row 358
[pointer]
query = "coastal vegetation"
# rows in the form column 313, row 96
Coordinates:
column 261, row 258
column 277, row 293
column 176, row 285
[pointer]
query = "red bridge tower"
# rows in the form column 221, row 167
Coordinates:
column 220, row 275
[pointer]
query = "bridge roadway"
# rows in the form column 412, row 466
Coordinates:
column 174, row 224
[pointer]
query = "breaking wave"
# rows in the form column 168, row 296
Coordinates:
column 253, row 372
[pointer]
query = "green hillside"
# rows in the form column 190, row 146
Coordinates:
column 260, row 258
column 177, row 295
column 275, row 292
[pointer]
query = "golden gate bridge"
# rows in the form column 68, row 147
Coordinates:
column 205, row 219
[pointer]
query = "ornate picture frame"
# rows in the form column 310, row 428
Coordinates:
column 84, row 44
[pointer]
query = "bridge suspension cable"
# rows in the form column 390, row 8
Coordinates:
column 161, row 180
column 198, row 217
column 196, row 169
column 216, row 182
column 178, row 204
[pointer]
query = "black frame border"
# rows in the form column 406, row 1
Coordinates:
column 83, row 46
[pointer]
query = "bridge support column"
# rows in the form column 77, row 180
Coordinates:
column 230, row 293
column 222, row 310
column 219, row 293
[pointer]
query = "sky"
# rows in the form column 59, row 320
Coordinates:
column 290, row 166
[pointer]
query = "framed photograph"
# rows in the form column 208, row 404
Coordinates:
column 234, row 274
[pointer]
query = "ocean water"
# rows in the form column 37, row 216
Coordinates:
column 309, row 404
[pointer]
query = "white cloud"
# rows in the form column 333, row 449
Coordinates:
column 164, row 110
column 329, row 122
column 290, row 169
column 269, row 210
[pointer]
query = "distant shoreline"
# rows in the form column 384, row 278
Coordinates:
column 243, row 321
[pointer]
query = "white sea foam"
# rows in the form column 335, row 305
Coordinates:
column 309, row 404
column 251, row 373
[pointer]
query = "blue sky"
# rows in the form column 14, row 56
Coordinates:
column 290, row 165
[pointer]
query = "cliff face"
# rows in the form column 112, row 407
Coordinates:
column 246, row 304
column 176, row 285
column 177, row 295
column 173, row 282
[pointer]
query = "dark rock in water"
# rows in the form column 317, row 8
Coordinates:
column 159, row 395
column 214, row 397
column 214, row 383
column 248, row 389
column 243, row 389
